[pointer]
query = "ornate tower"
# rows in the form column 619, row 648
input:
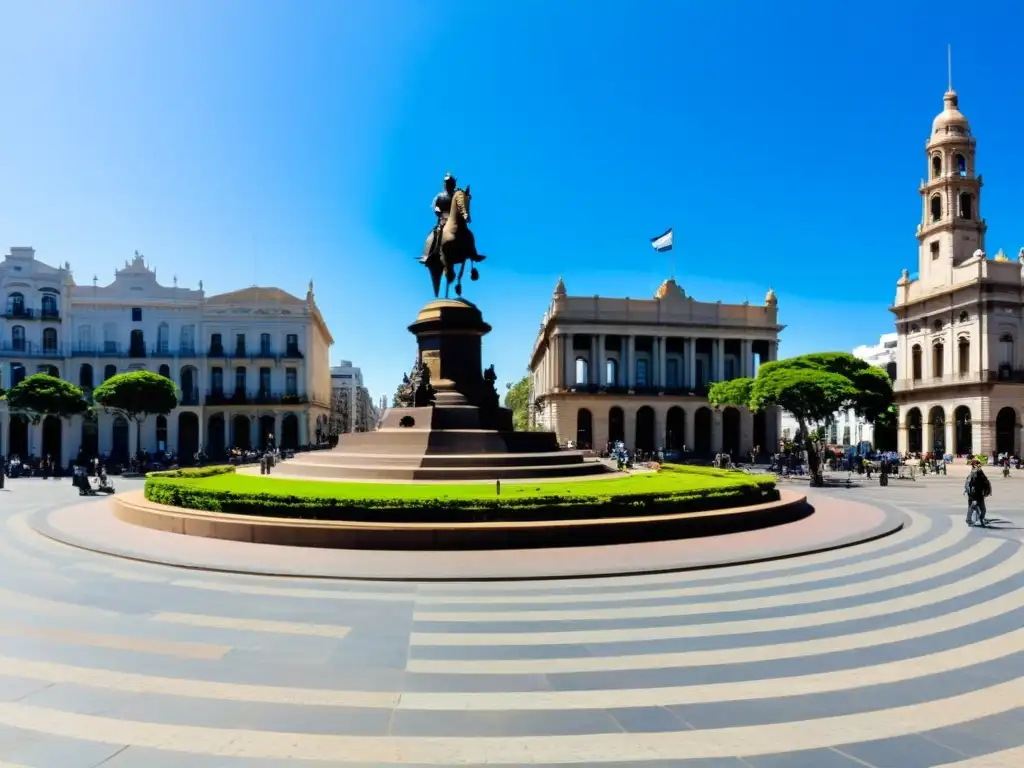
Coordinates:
column 951, row 228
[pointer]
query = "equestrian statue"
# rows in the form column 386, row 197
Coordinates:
column 450, row 243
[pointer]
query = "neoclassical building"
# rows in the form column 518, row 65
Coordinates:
column 958, row 319
column 249, row 364
column 638, row 370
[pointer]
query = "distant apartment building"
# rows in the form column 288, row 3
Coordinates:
column 352, row 408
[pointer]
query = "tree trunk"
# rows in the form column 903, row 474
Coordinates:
column 813, row 460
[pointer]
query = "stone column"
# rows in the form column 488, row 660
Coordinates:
column 254, row 431
column 602, row 363
column 719, row 360
column 691, row 362
column 662, row 359
column 630, row 365
column 592, row 367
column 570, row 362
column 65, row 443
column 747, row 432
column 716, row 431
column 746, row 368
column 902, row 439
column 660, row 419
column 201, row 418
column 4, row 434
column 689, row 430
column 951, row 446
column 172, row 430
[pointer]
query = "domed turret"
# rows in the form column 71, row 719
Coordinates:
column 950, row 120
column 560, row 288
column 770, row 299
column 669, row 288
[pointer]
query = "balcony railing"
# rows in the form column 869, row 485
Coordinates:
column 214, row 397
column 292, row 353
column 26, row 313
column 189, row 396
column 955, row 379
column 645, row 390
column 29, row 349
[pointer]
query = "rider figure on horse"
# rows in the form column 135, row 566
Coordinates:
column 442, row 207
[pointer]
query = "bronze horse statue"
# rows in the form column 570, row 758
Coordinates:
column 452, row 247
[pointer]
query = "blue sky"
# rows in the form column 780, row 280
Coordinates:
column 272, row 142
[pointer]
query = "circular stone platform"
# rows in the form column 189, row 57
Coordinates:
column 834, row 524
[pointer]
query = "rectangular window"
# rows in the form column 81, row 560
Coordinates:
column 239, row 379
column 935, row 250
column 292, row 343
column 240, row 344
column 265, row 381
column 672, row 373
column 217, row 381
column 291, row 381
column 264, row 343
column 641, row 373
column 136, row 314
column 216, row 346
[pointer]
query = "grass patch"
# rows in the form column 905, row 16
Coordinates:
column 673, row 489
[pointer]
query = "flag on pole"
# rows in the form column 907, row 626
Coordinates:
column 663, row 242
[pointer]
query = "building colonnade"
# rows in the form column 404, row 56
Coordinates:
column 694, row 427
column 957, row 429
column 636, row 361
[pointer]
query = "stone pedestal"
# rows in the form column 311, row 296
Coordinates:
column 464, row 434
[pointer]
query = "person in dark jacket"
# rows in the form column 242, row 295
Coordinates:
column 977, row 488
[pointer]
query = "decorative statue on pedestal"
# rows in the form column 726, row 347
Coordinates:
column 450, row 243
column 491, row 393
column 415, row 390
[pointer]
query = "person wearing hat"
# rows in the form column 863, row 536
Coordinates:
column 976, row 489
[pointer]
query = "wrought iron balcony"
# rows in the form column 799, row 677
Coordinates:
column 29, row 349
column 189, row 396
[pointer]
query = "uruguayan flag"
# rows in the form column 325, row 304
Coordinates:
column 663, row 242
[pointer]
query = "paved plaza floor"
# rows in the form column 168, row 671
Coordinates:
column 904, row 652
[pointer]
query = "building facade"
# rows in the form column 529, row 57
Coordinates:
column 847, row 428
column 958, row 319
column 638, row 370
column 249, row 364
column 352, row 407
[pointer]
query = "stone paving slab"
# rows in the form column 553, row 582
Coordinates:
column 834, row 524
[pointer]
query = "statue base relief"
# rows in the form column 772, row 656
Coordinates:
column 464, row 434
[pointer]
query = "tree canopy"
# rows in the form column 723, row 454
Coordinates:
column 137, row 394
column 517, row 398
column 813, row 388
column 42, row 395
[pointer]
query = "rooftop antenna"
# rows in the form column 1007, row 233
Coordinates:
column 949, row 65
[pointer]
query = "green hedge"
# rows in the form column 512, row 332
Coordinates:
column 195, row 473
column 164, row 490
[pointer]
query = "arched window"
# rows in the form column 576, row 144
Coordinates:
column 582, row 371
column 18, row 338
column 50, row 340
column 85, row 376
column 936, row 207
column 16, row 304
column 966, row 205
column 963, row 355
column 109, row 372
column 188, row 339
column 961, row 165
column 915, row 362
column 165, row 371
column 937, row 325
column 137, row 344
column 938, row 359
column 936, row 166
column 612, row 372
column 964, row 317
column 49, row 305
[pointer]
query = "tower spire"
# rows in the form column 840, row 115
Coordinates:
column 949, row 66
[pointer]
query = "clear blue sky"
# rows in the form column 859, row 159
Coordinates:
column 271, row 142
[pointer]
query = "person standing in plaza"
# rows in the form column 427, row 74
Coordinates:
column 977, row 487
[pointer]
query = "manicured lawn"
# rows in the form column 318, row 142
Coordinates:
column 666, row 481
column 672, row 489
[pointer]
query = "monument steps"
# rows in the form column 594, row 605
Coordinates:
column 377, row 471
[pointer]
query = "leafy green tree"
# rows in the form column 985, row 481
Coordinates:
column 137, row 395
column 42, row 395
column 517, row 399
column 812, row 388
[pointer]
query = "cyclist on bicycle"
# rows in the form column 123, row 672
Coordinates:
column 976, row 488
